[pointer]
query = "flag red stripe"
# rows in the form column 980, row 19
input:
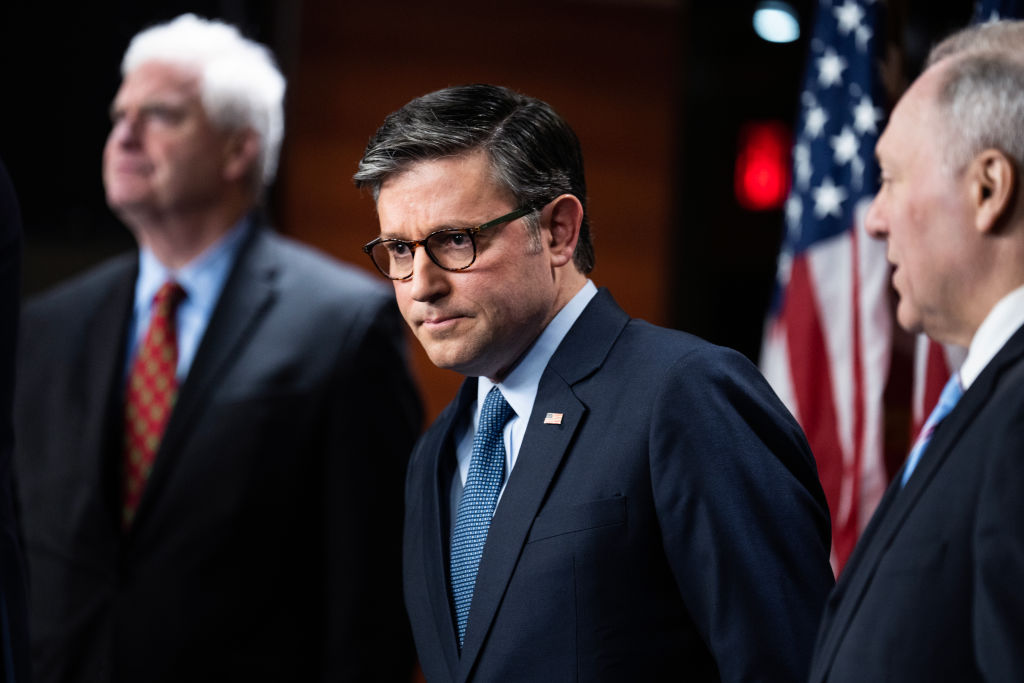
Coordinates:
column 847, row 530
column 805, row 340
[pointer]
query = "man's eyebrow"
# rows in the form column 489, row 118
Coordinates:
column 461, row 225
column 153, row 102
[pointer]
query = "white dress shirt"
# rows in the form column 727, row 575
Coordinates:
column 1005, row 318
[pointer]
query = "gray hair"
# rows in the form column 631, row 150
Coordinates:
column 534, row 154
column 982, row 93
column 240, row 83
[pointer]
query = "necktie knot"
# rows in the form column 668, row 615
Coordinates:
column 167, row 298
column 948, row 399
column 495, row 413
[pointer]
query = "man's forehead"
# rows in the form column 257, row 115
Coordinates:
column 914, row 112
column 159, row 79
column 457, row 178
column 882, row 151
column 440, row 168
column 434, row 194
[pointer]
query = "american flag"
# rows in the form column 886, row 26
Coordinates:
column 828, row 339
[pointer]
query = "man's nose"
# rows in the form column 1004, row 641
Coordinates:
column 874, row 221
column 429, row 280
column 126, row 129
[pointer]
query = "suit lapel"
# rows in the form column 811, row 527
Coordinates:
column 897, row 504
column 100, row 391
column 544, row 446
column 248, row 292
column 437, row 521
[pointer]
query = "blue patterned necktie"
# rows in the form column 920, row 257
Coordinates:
column 479, row 498
column 951, row 393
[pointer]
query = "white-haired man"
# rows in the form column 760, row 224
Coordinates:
column 933, row 590
column 212, row 432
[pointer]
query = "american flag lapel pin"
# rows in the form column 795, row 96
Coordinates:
column 553, row 419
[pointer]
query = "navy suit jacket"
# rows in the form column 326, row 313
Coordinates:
column 934, row 590
column 671, row 525
column 266, row 546
column 14, row 658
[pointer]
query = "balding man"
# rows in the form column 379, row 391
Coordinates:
column 933, row 590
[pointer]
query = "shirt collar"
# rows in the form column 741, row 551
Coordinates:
column 202, row 278
column 520, row 386
column 1005, row 318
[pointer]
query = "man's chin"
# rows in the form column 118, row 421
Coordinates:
column 128, row 204
column 443, row 359
column 909, row 320
column 455, row 360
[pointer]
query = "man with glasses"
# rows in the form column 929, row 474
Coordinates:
column 604, row 499
column 212, row 431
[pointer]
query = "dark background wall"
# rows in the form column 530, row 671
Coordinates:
column 656, row 89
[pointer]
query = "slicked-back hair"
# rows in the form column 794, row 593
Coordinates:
column 533, row 152
column 982, row 93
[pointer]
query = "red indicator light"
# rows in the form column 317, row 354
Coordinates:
column 762, row 166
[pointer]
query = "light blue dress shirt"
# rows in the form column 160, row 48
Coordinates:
column 202, row 279
column 520, row 390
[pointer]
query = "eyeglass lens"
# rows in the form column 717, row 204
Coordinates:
column 450, row 249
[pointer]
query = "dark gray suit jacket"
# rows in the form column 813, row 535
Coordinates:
column 266, row 545
column 670, row 527
column 14, row 656
column 934, row 590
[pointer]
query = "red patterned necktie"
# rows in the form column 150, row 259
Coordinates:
column 149, row 396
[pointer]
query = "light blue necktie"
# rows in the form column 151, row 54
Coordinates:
column 951, row 393
column 479, row 498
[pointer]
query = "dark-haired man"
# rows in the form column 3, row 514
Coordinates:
column 604, row 499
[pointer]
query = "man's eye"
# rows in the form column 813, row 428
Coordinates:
column 164, row 114
column 397, row 249
column 452, row 240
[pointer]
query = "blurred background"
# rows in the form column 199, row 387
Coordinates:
column 671, row 100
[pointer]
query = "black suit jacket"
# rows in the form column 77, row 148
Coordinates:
column 14, row 657
column 266, row 544
column 934, row 590
column 670, row 527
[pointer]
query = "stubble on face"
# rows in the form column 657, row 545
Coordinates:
column 479, row 321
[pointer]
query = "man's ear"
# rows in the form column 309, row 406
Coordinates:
column 562, row 219
column 242, row 148
column 993, row 187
